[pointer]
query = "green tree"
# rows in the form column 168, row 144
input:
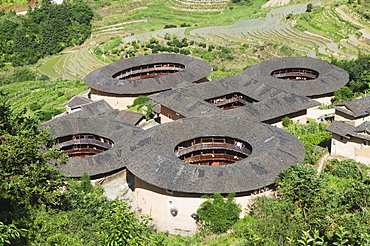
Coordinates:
column 218, row 214
column 301, row 184
column 149, row 112
column 23, row 74
column 309, row 7
column 27, row 161
column 277, row 219
column 343, row 94
column 287, row 121
column 86, row 185
column 9, row 232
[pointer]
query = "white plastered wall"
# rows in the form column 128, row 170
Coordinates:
column 301, row 119
column 356, row 121
column 116, row 102
column 354, row 148
column 324, row 100
column 158, row 203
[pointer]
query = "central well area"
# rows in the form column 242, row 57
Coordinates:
column 295, row 74
column 83, row 145
column 148, row 71
column 213, row 150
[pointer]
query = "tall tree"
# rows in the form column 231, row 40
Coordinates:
column 27, row 162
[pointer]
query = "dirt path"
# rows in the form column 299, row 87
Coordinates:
column 322, row 162
column 275, row 3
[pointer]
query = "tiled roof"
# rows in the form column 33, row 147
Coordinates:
column 77, row 100
column 330, row 77
column 347, row 130
column 150, row 156
column 99, row 164
column 102, row 78
column 356, row 108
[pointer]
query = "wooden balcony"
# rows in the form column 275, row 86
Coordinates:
column 301, row 75
column 204, row 146
column 138, row 72
column 83, row 141
column 145, row 76
column 222, row 159
column 223, row 102
column 82, row 152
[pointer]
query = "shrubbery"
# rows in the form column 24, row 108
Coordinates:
column 39, row 206
column 218, row 214
column 359, row 78
column 311, row 135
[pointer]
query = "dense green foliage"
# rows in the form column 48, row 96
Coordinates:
column 331, row 208
column 86, row 218
column 218, row 214
column 138, row 104
column 43, row 31
column 313, row 136
column 359, row 78
column 8, row 233
column 321, row 206
column 27, row 175
column 39, row 206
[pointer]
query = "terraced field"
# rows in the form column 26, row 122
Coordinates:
column 199, row 5
column 334, row 32
column 276, row 28
column 71, row 66
column 113, row 30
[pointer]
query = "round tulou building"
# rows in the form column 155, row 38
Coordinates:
column 175, row 164
column 121, row 82
column 303, row 76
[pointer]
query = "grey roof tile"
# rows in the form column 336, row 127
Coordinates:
column 151, row 156
column 356, row 108
column 102, row 78
column 330, row 77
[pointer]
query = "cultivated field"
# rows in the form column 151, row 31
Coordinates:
column 328, row 31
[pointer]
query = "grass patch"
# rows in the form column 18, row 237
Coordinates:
column 48, row 67
column 326, row 22
column 41, row 98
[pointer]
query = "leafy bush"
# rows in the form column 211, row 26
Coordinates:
column 85, row 184
column 169, row 26
column 346, row 169
column 309, row 7
column 149, row 112
column 300, row 184
column 185, row 25
column 287, row 122
column 218, row 214
column 23, row 74
column 204, row 45
column 153, row 41
column 311, row 135
column 44, row 77
column 185, row 51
